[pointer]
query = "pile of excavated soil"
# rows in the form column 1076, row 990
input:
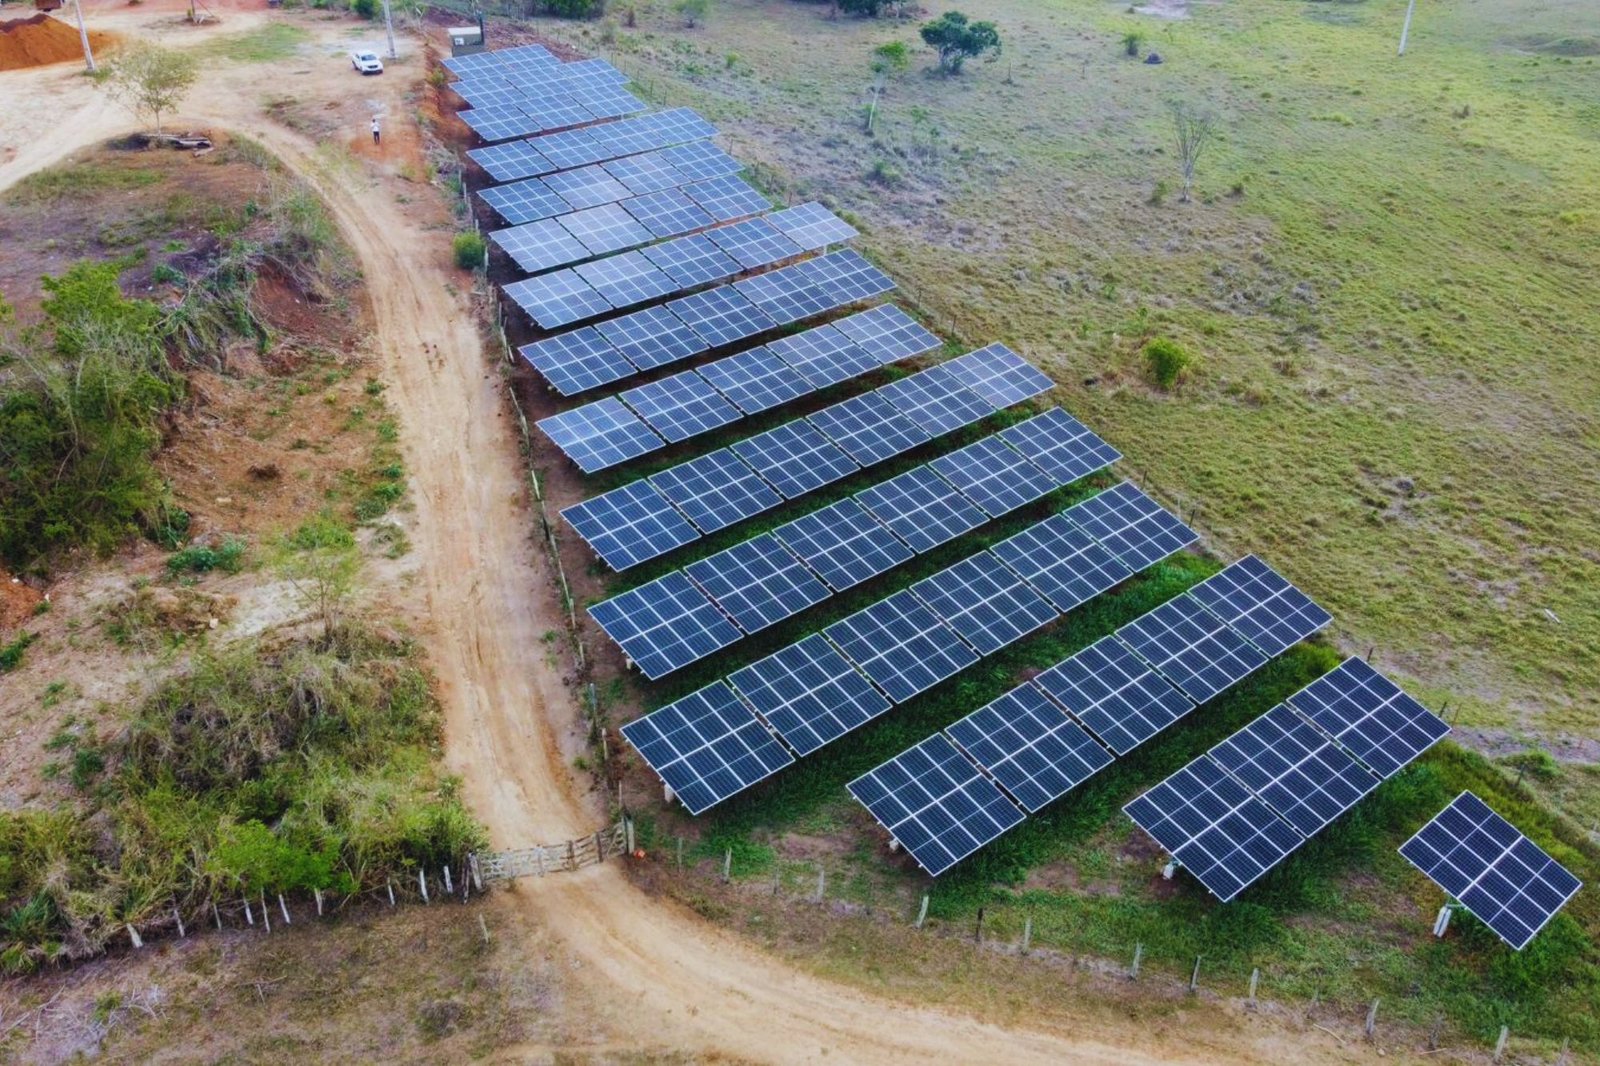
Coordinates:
column 33, row 42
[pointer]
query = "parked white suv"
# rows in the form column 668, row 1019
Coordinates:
column 367, row 62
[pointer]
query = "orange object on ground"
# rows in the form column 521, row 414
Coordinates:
column 40, row 39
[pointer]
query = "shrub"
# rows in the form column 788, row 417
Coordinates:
column 198, row 559
column 693, row 12
column 1132, row 41
column 1166, row 360
column 367, row 9
column 575, row 9
column 11, row 654
column 470, row 249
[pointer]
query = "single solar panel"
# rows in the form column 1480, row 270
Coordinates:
column 600, row 434
column 1260, row 603
column 810, row 225
column 887, row 333
column 486, row 93
column 937, row 402
column 758, row 582
column 1000, row 375
column 664, row 625
column 721, row 316
column 1136, row 529
column 935, row 803
column 784, row 294
column 699, row 160
column 499, row 122
column 809, row 693
column 715, row 490
column 666, row 213
column 588, row 186
column 1295, row 769
column 1510, row 883
column 576, row 360
column 511, row 161
column 1064, row 563
column 692, row 261
column 1370, row 716
column 537, row 246
column 755, row 242
column 645, row 173
column 1115, row 694
column 1192, row 648
column 901, row 645
column 1213, row 826
column 727, row 198
column 846, row 276
column 651, row 337
column 680, row 406
column 993, row 476
column 1061, row 445
column 1036, row 753
column 628, row 525
column 843, row 543
column 823, row 355
column 755, row 380
column 524, row 201
column 570, row 148
column 707, row 747
column 988, row 604
column 626, row 279
column 557, row 298
column 869, row 428
column 794, row 458
column 603, row 229
column 922, row 507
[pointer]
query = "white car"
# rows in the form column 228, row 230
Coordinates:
column 366, row 62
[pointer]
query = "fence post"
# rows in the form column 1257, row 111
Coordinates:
column 266, row 920
column 318, row 893
column 284, row 907
column 822, row 882
column 477, row 875
column 1027, row 933
column 727, row 865
column 249, row 919
column 390, row 885
column 422, row 883
column 629, row 824
column 133, row 935
column 1255, row 979
column 216, row 914
column 179, row 919
column 1500, row 1045
column 680, row 855
column 922, row 915
column 1138, row 954
column 1194, row 978
column 449, row 889
column 1372, row 1020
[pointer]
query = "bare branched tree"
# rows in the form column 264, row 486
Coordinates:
column 1194, row 130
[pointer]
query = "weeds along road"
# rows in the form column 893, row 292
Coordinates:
column 676, row 981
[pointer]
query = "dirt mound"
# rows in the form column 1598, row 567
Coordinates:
column 36, row 41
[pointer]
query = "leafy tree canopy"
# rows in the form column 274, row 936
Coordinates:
column 957, row 39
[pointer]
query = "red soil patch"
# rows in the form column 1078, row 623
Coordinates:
column 36, row 41
column 17, row 602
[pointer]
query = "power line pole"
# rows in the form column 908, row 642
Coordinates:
column 1405, row 31
column 389, row 28
column 83, row 35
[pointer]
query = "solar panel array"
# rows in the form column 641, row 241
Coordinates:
column 982, row 598
column 1510, row 883
column 1052, row 733
column 1236, row 811
column 517, row 93
column 649, row 174
column 828, row 683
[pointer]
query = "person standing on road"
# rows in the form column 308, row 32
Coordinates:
column 377, row 132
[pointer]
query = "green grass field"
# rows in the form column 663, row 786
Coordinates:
column 1388, row 278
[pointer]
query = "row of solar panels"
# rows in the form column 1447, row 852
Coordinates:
column 777, row 574
column 943, row 802
column 1238, row 810
column 726, row 313
column 521, row 95
column 642, row 520
column 532, row 199
column 551, row 152
column 730, row 735
column 629, row 223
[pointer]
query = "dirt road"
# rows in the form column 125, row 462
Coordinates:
column 676, row 981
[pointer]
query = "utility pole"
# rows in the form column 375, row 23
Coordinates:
column 389, row 28
column 1405, row 31
column 83, row 35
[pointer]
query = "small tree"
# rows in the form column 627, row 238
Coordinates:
column 957, row 39
column 150, row 80
column 320, row 560
column 888, row 60
column 693, row 12
column 864, row 8
column 1193, row 131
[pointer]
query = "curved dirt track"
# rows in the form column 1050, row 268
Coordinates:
column 678, row 983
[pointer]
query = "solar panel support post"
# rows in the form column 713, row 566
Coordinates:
column 922, row 913
column 1138, row 955
column 1442, row 922
column 727, row 865
column 1372, row 1020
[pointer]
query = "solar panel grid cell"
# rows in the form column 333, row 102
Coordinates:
column 1061, row 445
column 626, row 279
column 901, row 645
column 923, row 508
column 794, row 458
column 993, row 476
column 699, row 160
column 1192, row 647
column 843, row 543
column 1062, row 561
column 603, row 229
column 524, row 201
column 1134, row 527
column 557, row 298
column 1369, row 716
column 681, row 406
column 887, row 333
column 721, row 316
column 1260, row 603
column 753, row 242
column 715, row 490
column 692, row 260
column 868, row 428
column 1000, row 375
column 983, row 601
column 539, row 245
column 508, row 162
column 600, row 434
column 758, row 582
column 755, row 380
column 665, row 624
column 1223, row 835
column 824, row 356
column 935, row 803
column 1115, row 694
column 707, row 747
column 666, row 213
column 651, row 337
column 630, row 524
column 809, row 693
column 726, row 198
column 846, row 276
column 1295, row 769
column 935, row 401
column 812, row 226
column 576, row 360
column 584, row 187
column 1036, row 753
column 645, row 173
column 784, row 295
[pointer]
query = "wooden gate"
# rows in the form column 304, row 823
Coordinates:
column 544, row 859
